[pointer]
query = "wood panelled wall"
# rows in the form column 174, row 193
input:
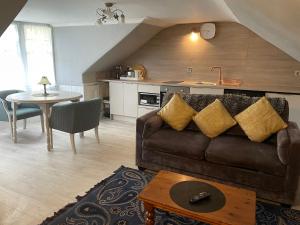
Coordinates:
column 241, row 53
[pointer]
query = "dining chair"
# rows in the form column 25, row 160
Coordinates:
column 23, row 112
column 76, row 117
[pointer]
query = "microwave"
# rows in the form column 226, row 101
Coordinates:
column 149, row 99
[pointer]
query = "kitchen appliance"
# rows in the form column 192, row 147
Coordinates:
column 136, row 72
column 149, row 99
column 172, row 89
column 117, row 71
column 245, row 92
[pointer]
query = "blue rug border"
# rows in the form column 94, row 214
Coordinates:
column 79, row 197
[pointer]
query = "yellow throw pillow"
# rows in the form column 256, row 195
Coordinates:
column 177, row 113
column 260, row 120
column 214, row 119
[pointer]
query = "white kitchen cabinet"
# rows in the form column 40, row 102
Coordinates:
column 205, row 91
column 116, row 98
column 123, row 99
column 130, row 99
column 294, row 105
column 149, row 88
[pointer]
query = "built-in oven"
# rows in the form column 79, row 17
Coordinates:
column 149, row 99
column 172, row 89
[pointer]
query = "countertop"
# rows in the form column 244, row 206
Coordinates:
column 192, row 83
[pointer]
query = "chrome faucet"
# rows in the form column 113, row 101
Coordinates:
column 220, row 81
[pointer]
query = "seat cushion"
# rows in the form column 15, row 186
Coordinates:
column 24, row 113
column 187, row 143
column 240, row 152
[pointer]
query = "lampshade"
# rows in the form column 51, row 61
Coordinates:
column 44, row 80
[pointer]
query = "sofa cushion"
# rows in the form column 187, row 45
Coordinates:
column 233, row 103
column 240, row 152
column 214, row 119
column 259, row 121
column 188, row 143
column 177, row 113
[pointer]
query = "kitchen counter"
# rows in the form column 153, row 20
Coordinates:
column 191, row 83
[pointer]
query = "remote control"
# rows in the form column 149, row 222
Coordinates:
column 199, row 197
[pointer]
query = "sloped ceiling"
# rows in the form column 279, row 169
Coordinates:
column 83, row 12
column 276, row 21
column 8, row 11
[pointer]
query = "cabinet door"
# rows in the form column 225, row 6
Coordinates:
column 294, row 105
column 116, row 98
column 205, row 91
column 130, row 99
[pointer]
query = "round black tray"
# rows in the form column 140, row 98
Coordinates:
column 182, row 192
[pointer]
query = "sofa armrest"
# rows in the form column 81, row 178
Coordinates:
column 141, row 121
column 152, row 125
column 294, row 150
column 140, row 125
column 288, row 145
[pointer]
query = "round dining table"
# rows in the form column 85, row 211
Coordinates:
column 44, row 102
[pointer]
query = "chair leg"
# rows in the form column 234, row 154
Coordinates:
column 11, row 130
column 81, row 134
column 24, row 124
column 42, row 123
column 51, row 138
column 97, row 134
column 73, row 142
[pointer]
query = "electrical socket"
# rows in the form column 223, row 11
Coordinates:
column 297, row 73
column 189, row 70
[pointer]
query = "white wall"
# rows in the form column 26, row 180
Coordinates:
column 77, row 48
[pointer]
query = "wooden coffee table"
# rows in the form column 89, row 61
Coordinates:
column 239, row 208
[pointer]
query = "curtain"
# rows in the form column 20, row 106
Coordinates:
column 39, row 54
column 26, row 54
column 12, row 72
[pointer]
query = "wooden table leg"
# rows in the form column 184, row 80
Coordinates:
column 149, row 214
column 14, row 107
column 46, row 113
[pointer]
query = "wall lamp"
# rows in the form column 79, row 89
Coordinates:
column 195, row 34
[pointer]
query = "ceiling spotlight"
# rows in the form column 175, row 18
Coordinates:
column 109, row 14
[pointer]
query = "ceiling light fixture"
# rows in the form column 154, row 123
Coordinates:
column 110, row 14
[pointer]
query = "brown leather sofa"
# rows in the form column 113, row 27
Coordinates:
column 270, row 168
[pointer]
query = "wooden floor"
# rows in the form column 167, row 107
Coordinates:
column 35, row 183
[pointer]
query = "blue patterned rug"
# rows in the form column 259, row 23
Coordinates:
column 114, row 202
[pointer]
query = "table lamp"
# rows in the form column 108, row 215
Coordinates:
column 44, row 81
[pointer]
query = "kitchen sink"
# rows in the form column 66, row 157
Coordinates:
column 173, row 81
column 231, row 82
column 206, row 83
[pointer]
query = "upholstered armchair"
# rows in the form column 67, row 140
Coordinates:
column 23, row 112
column 76, row 117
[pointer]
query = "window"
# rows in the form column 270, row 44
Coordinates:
column 26, row 54
column 11, row 64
